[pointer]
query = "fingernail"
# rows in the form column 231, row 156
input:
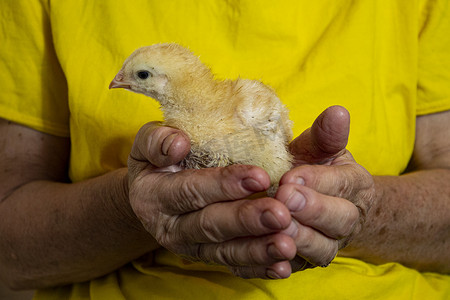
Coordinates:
column 299, row 180
column 296, row 201
column 252, row 185
column 272, row 274
column 291, row 231
column 167, row 143
column 273, row 252
column 270, row 221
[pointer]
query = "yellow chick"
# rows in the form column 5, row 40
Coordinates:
column 228, row 121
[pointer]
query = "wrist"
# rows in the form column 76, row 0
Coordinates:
column 367, row 202
column 121, row 200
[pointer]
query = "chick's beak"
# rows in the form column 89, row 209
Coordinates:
column 118, row 82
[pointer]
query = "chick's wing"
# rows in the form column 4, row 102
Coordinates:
column 261, row 109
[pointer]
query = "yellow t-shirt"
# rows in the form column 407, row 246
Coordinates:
column 386, row 61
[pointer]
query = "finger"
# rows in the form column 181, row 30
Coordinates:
column 160, row 146
column 278, row 270
column 343, row 181
column 227, row 220
column 191, row 190
column 262, row 251
column 326, row 138
column 300, row 264
column 332, row 216
column 315, row 247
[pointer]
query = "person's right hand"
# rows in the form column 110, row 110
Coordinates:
column 204, row 214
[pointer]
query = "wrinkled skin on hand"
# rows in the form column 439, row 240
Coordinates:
column 327, row 192
column 204, row 215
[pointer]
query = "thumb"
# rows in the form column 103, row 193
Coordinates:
column 325, row 140
column 158, row 146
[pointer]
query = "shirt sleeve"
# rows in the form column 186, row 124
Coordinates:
column 433, row 93
column 33, row 89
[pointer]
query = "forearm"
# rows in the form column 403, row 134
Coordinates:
column 409, row 222
column 54, row 233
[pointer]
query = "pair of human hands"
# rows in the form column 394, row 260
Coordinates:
column 206, row 215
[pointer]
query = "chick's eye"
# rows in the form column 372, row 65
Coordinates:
column 143, row 74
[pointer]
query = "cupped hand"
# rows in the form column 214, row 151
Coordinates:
column 327, row 192
column 203, row 215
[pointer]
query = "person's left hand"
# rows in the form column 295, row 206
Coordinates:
column 327, row 192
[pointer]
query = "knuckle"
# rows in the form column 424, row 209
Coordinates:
column 348, row 221
column 208, row 228
column 181, row 194
column 256, row 253
column 366, row 177
column 356, row 180
column 321, row 256
column 353, row 215
column 226, row 187
column 316, row 208
column 166, row 234
column 244, row 215
column 305, row 239
column 190, row 195
column 329, row 254
column 318, row 251
column 217, row 253
column 234, row 253
column 366, row 196
column 226, row 255
column 346, row 185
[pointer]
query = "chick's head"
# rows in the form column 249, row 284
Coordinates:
column 159, row 71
